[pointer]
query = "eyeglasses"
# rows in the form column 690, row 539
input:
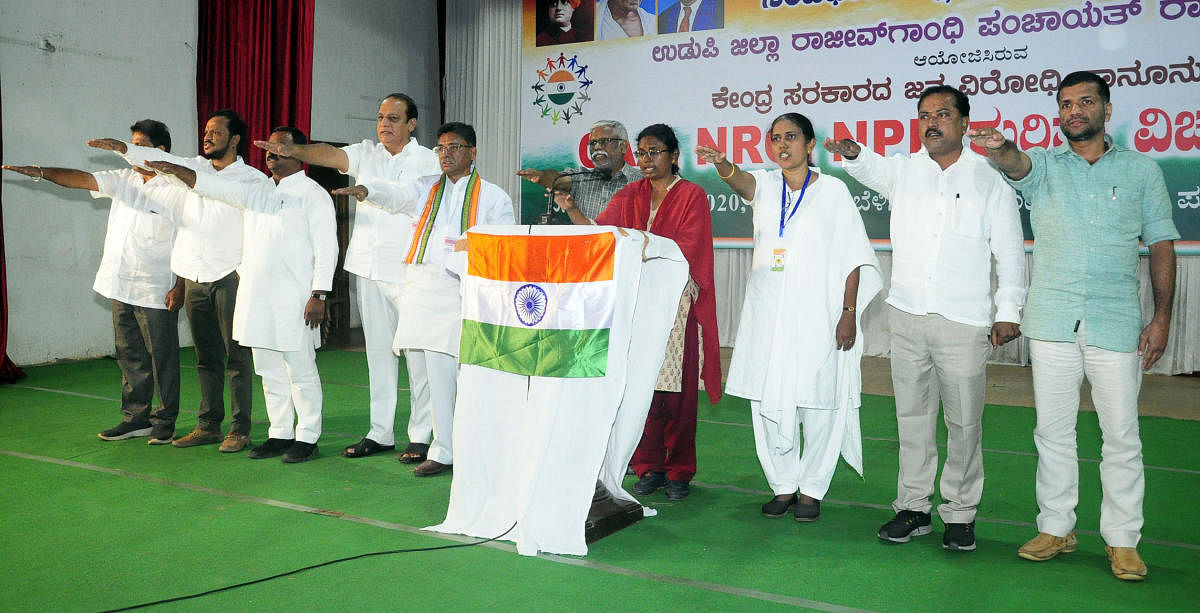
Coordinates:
column 649, row 153
column 604, row 142
column 453, row 148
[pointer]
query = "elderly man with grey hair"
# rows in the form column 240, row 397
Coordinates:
column 608, row 143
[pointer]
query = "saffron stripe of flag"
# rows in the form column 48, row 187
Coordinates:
column 542, row 259
column 561, row 306
column 534, row 352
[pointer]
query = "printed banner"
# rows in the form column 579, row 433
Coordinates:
column 539, row 305
column 856, row 69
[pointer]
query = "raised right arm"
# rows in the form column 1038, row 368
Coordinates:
column 318, row 154
column 1010, row 160
column 66, row 177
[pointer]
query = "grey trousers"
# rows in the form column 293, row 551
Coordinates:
column 935, row 360
column 210, row 314
column 147, row 344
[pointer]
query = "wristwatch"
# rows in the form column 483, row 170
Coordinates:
column 320, row 297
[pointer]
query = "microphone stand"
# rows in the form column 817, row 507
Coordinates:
column 549, row 218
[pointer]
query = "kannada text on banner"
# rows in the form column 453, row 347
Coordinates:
column 856, row 68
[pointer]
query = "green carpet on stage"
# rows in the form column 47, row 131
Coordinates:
column 88, row 525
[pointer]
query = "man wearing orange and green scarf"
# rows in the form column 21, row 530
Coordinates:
column 446, row 206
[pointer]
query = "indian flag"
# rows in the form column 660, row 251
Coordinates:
column 539, row 305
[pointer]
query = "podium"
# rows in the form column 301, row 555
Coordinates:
column 555, row 380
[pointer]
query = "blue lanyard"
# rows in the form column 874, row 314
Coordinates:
column 783, row 202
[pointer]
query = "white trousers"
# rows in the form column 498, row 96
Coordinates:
column 442, row 371
column 937, row 362
column 378, row 306
column 1116, row 378
column 808, row 472
column 292, row 390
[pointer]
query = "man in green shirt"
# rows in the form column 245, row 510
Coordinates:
column 1092, row 200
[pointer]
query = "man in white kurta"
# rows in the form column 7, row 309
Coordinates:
column 786, row 360
column 375, row 256
column 445, row 206
column 951, row 215
column 288, row 260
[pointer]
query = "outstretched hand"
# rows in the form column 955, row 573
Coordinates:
column 846, row 147
column 29, row 171
column 710, row 155
column 988, row 138
column 358, row 191
column 167, row 168
column 284, row 149
column 108, row 144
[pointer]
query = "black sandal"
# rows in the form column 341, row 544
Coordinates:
column 414, row 453
column 365, row 448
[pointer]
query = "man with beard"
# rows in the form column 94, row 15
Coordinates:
column 1091, row 200
column 375, row 257
column 208, row 249
column 288, row 258
column 951, row 213
column 607, row 143
column 135, row 274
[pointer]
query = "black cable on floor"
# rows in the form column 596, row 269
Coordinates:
column 310, row 567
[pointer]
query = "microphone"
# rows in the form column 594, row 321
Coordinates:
column 549, row 218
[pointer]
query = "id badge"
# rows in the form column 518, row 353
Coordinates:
column 777, row 259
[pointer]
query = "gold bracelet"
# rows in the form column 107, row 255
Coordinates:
column 731, row 173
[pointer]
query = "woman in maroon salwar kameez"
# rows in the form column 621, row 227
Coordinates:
column 667, row 205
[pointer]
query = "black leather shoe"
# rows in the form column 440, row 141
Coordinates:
column 649, row 483
column 808, row 512
column 273, row 447
column 678, row 490
column 778, row 508
column 300, row 452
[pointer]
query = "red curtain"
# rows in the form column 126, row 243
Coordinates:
column 9, row 372
column 255, row 57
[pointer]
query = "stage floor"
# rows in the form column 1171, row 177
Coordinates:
column 89, row 525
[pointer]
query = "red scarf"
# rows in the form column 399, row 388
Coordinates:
column 683, row 217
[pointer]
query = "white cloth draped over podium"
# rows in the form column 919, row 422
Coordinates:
column 529, row 449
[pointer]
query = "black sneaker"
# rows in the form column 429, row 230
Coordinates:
column 678, row 490
column 162, row 436
column 300, row 452
column 649, row 483
column 273, row 447
column 959, row 537
column 905, row 525
column 123, row 431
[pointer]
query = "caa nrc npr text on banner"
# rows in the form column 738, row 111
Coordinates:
column 856, row 68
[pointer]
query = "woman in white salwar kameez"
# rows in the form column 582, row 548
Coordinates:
column 797, row 353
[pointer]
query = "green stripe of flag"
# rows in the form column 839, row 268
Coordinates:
column 533, row 352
